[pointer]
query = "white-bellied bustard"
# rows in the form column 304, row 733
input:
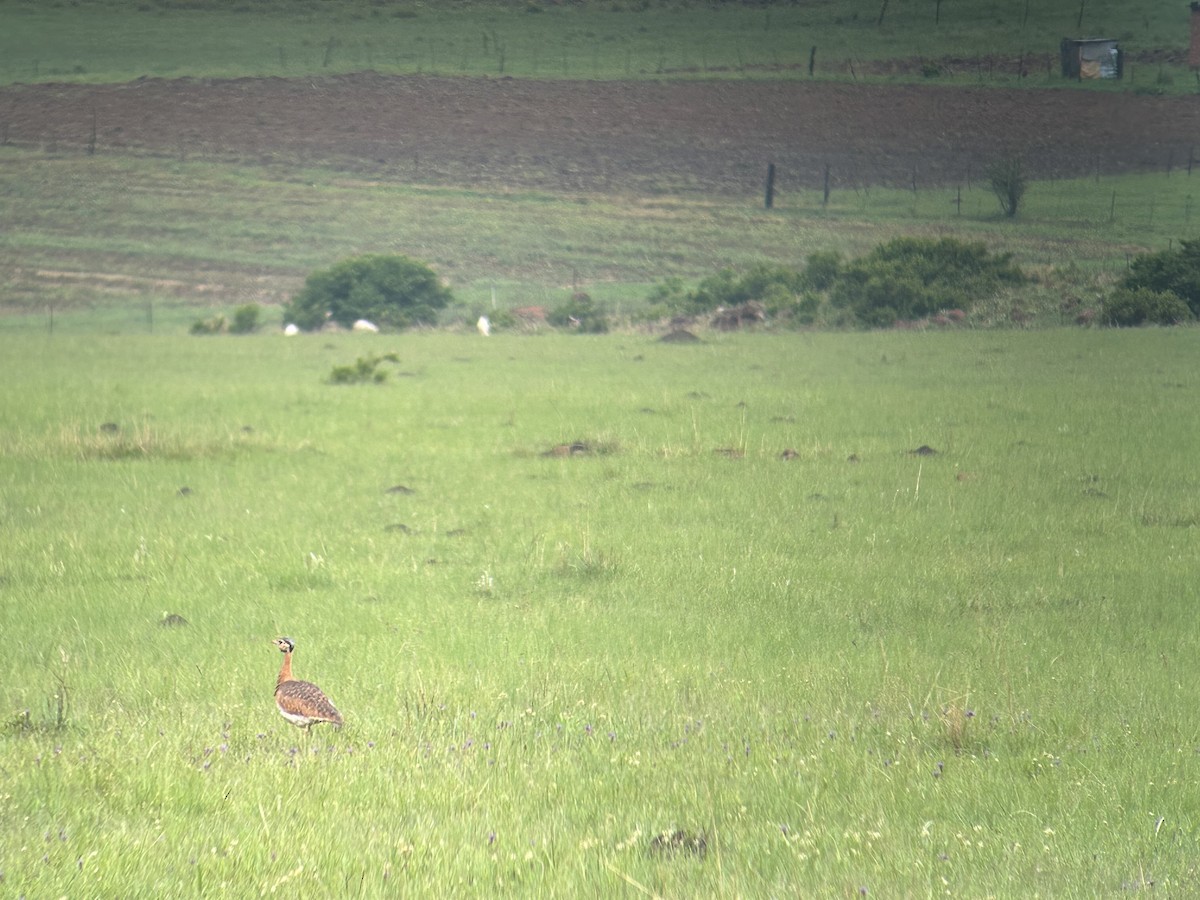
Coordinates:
column 301, row 702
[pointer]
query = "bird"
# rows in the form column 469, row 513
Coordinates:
column 301, row 702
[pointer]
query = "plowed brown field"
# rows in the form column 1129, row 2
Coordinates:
column 635, row 137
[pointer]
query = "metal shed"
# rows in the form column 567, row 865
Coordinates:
column 1091, row 58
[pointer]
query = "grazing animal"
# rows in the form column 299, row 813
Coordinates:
column 301, row 702
column 365, row 325
column 484, row 326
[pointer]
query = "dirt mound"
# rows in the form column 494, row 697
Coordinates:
column 635, row 137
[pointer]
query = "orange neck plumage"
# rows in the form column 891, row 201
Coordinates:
column 285, row 671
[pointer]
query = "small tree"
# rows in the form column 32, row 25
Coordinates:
column 1008, row 183
column 392, row 291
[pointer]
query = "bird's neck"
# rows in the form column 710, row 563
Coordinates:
column 285, row 671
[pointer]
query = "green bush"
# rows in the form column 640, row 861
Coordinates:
column 581, row 314
column 365, row 369
column 763, row 283
column 1175, row 270
column 904, row 279
column 911, row 278
column 391, row 291
column 245, row 319
column 1143, row 306
column 666, row 300
column 215, row 325
column 669, row 293
column 822, row 269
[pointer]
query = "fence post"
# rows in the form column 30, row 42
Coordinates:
column 769, row 199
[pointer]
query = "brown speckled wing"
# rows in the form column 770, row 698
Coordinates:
column 301, row 699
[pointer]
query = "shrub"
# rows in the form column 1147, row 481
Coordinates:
column 245, row 319
column 911, row 278
column 669, row 293
column 215, row 325
column 907, row 278
column 1143, row 306
column 821, row 270
column 1175, row 270
column 580, row 313
column 1008, row 184
column 391, row 291
column 762, row 283
column 666, row 299
column 365, row 369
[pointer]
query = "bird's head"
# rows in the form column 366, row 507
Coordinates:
column 285, row 645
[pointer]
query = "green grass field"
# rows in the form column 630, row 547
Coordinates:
column 56, row 41
column 856, row 671
column 674, row 665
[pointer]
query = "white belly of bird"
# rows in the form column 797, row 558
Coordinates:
column 296, row 718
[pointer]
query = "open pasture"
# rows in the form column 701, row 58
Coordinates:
column 966, row 41
column 887, row 614
column 668, row 663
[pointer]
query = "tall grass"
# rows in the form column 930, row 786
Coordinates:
column 43, row 42
column 681, row 666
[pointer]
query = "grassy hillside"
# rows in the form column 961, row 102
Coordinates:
column 860, row 669
column 134, row 244
column 141, row 243
column 971, row 40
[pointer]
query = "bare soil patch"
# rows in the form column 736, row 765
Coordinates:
column 619, row 137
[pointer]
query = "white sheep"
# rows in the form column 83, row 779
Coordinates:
column 364, row 325
column 484, row 326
